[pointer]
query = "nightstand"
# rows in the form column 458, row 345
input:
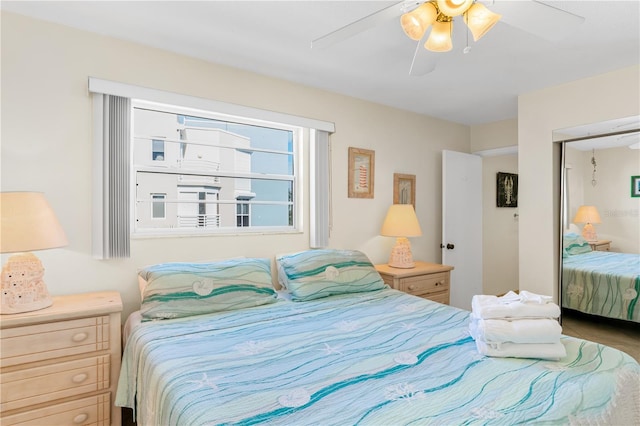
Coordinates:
column 428, row 280
column 60, row 365
column 600, row 245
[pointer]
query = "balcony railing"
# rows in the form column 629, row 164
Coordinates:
column 199, row 221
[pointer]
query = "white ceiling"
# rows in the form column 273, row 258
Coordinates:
column 274, row 38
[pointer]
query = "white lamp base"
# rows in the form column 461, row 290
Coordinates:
column 23, row 288
column 589, row 233
column 401, row 256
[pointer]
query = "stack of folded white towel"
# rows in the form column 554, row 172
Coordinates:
column 516, row 325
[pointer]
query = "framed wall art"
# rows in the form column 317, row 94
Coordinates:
column 404, row 189
column 635, row 186
column 361, row 172
column 507, row 189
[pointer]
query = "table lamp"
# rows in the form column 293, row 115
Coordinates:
column 401, row 222
column 27, row 223
column 588, row 215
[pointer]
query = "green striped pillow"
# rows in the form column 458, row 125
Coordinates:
column 178, row 289
column 313, row 274
column 575, row 244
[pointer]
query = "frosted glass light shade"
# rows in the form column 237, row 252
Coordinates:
column 440, row 38
column 480, row 20
column 454, row 7
column 416, row 22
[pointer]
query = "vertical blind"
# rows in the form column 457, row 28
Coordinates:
column 320, row 190
column 112, row 203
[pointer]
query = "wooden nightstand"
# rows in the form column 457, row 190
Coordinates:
column 60, row 365
column 600, row 245
column 427, row 280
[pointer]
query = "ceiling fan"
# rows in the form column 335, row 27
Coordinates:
column 433, row 20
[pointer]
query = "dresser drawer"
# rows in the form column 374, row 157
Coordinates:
column 424, row 284
column 442, row 297
column 45, row 341
column 94, row 410
column 50, row 382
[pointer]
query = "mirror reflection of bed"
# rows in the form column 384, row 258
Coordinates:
column 600, row 222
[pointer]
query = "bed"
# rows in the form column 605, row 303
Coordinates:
column 602, row 283
column 376, row 356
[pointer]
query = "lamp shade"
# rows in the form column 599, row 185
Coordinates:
column 440, row 38
column 587, row 214
column 401, row 221
column 416, row 22
column 480, row 20
column 27, row 223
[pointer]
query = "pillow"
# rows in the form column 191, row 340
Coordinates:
column 574, row 244
column 313, row 274
column 176, row 290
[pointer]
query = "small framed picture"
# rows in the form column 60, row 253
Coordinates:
column 635, row 186
column 507, row 190
column 404, row 189
column 361, row 173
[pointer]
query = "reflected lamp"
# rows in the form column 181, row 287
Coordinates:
column 27, row 223
column 401, row 222
column 588, row 215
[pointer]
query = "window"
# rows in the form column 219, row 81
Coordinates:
column 212, row 173
column 242, row 214
column 157, row 150
column 158, row 210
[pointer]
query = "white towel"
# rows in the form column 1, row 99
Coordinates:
column 540, row 330
column 528, row 297
column 494, row 307
column 552, row 351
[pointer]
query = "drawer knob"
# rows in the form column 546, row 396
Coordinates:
column 412, row 287
column 79, row 378
column 80, row 418
column 79, row 337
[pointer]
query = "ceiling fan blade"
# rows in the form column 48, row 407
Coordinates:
column 540, row 19
column 422, row 62
column 363, row 24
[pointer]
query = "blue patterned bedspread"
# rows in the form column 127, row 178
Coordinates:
column 602, row 283
column 383, row 358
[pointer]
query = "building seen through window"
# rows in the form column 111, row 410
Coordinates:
column 197, row 172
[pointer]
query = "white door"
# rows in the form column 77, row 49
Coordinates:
column 462, row 224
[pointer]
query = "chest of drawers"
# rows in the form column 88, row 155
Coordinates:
column 60, row 365
column 428, row 280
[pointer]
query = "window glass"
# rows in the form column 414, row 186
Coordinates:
column 217, row 175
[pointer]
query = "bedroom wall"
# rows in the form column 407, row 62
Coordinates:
column 599, row 98
column 620, row 213
column 499, row 226
column 46, row 146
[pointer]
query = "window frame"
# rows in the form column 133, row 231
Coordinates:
column 299, row 154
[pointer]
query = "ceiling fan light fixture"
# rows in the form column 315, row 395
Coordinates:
column 440, row 38
column 480, row 20
column 454, row 7
column 416, row 22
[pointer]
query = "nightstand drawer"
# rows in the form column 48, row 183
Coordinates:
column 442, row 297
column 46, row 341
column 421, row 285
column 93, row 410
column 36, row 385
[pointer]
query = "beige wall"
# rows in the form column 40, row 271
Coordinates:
column 499, row 225
column 620, row 213
column 600, row 98
column 500, row 230
column 46, row 146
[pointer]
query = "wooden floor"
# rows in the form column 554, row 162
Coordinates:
column 621, row 335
